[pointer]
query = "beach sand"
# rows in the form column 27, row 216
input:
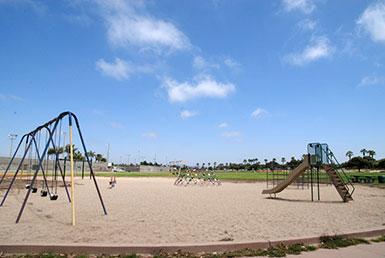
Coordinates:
column 154, row 211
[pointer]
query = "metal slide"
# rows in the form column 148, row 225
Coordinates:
column 290, row 179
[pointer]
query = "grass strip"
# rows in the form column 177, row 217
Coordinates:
column 336, row 242
column 380, row 239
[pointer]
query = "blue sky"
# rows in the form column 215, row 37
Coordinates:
column 201, row 81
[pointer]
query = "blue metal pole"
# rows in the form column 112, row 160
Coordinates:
column 13, row 157
column 58, row 162
column 56, row 120
column 89, row 163
column 17, row 171
column 42, row 170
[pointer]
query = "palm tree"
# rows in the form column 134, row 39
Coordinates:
column 197, row 164
column 266, row 160
column 349, row 154
column 371, row 153
column 99, row 157
column 91, row 154
column 215, row 164
column 68, row 149
column 283, row 160
column 363, row 151
column 50, row 152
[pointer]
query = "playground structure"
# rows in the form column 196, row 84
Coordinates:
column 197, row 177
column 175, row 167
column 318, row 156
column 39, row 162
column 274, row 177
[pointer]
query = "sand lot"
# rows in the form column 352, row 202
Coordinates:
column 154, row 211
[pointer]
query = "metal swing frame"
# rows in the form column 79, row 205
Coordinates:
column 29, row 140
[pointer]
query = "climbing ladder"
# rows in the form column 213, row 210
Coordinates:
column 341, row 187
column 321, row 156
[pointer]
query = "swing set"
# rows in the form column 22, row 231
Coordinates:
column 38, row 161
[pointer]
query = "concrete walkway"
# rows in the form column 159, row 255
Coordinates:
column 374, row 250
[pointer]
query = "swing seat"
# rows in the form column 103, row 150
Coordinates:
column 53, row 197
column 34, row 189
column 43, row 193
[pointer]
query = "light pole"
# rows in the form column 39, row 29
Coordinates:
column 128, row 159
column 64, row 143
column 108, row 154
column 11, row 137
column 138, row 157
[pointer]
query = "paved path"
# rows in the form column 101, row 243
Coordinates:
column 374, row 250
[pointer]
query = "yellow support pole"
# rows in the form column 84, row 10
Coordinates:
column 72, row 179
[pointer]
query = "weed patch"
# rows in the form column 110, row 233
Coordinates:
column 337, row 242
column 380, row 239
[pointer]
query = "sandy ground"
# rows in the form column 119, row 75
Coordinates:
column 154, row 211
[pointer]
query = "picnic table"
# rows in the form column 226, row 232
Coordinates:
column 363, row 179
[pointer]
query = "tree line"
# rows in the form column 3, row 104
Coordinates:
column 253, row 164
column 77, row 155
column 367, row 161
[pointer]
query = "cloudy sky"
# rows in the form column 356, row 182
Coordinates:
column 201, row 80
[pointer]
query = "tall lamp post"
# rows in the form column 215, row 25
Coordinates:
column 64, row 143
column 11, row 137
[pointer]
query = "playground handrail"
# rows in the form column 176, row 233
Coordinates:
column 338, row 168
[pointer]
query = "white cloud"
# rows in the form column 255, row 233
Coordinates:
column 120, row 69
column 373, row 21
column 203, row 87
column 116, row 125
column 371, row 80
column 150, row 135
column 231, row 63
column 258, row 112
column 202, row 64
column 319, row 47
column 4, row 98
column 98, row 112
column 231, row 134
column 187, row 114
column 305, row 6
column 128, row 24
column 223, row 125
column 307, row 24
column 16, row 98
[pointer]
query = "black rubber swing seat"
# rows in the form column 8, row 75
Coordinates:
column 34, row 189
column 53, row 197
column 43, row 193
